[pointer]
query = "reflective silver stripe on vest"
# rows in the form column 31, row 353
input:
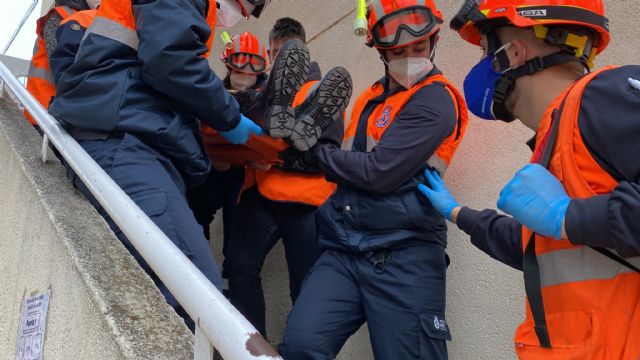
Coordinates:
column 434, row 161
column 68, row 10
column 40, row 73
column 113, row 30
column 437, row 163
column 347, row 144
column 579, row 264
column 36, row 47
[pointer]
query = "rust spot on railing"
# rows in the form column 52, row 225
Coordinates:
column 258, row 346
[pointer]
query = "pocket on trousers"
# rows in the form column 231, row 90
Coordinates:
column 435, row 325
column 576, row 335
column 434, row 333
column 153, row 201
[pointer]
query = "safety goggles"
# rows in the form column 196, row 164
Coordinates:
column 248, row 63
column 403, row 27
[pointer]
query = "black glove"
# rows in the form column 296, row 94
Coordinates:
column 299, row 161
column 333, row 134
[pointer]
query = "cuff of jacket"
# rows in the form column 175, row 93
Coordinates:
column 467, row 219
column 586, row 221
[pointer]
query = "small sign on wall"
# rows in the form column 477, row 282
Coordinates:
column 33, row 319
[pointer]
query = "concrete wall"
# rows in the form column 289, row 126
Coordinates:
column 102, row 306
column 485, row 298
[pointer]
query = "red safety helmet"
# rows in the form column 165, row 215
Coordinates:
column 247, row 55
column 399, row 23
column 476, row 17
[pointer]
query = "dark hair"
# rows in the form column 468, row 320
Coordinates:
column 77, row 5
column 286, row 28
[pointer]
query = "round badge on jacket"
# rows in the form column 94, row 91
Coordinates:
column 384, row 119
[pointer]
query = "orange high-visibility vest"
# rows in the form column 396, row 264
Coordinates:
column 83, row 18
column 40, row 81
column 384, row 114
column 278, row 185
column 591, row 302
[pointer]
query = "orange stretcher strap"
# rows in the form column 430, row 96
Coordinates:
column 262, row 149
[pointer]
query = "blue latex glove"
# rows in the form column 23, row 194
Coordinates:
column 536, row 199
column 439, row 196
column 241, row 133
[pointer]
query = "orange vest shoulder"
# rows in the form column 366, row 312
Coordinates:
column 83, row 18
column 385, row 113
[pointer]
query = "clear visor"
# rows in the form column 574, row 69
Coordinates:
column 248, row 63
column 404, row 27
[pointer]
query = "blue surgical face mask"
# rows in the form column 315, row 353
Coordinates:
column 480, row 86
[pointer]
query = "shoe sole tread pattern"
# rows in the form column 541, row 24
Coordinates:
column 290, row 74
column 328, row 106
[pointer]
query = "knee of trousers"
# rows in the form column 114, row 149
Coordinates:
column 297, row 345
column 238, row 267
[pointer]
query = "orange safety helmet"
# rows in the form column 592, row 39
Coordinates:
column 246, row 55
column 476, row 17
column 399, row 23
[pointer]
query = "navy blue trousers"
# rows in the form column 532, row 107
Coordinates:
column 219, row 191
column 399, row 293
column 259, row 224
column 156, row 186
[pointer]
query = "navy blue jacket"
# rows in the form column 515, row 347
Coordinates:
column 376, row 204
column 154, row 82
column 68, row 38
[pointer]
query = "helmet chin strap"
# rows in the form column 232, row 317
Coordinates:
column 433, row 44
column 385, row 62
column 507, row 83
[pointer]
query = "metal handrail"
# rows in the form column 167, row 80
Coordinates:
column 20, row 25
column 218, row 323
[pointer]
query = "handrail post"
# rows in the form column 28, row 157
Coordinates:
column 202, row 350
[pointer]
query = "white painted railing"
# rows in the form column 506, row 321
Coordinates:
column 20, row 25
column 218, row 323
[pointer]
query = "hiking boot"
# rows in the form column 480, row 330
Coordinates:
column 323, row 108
column 288, row 73
column 270, row 105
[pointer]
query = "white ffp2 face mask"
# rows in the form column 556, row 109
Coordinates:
column 240, row 81
column 93, row 4
column 229, row 13
column 408, row 71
